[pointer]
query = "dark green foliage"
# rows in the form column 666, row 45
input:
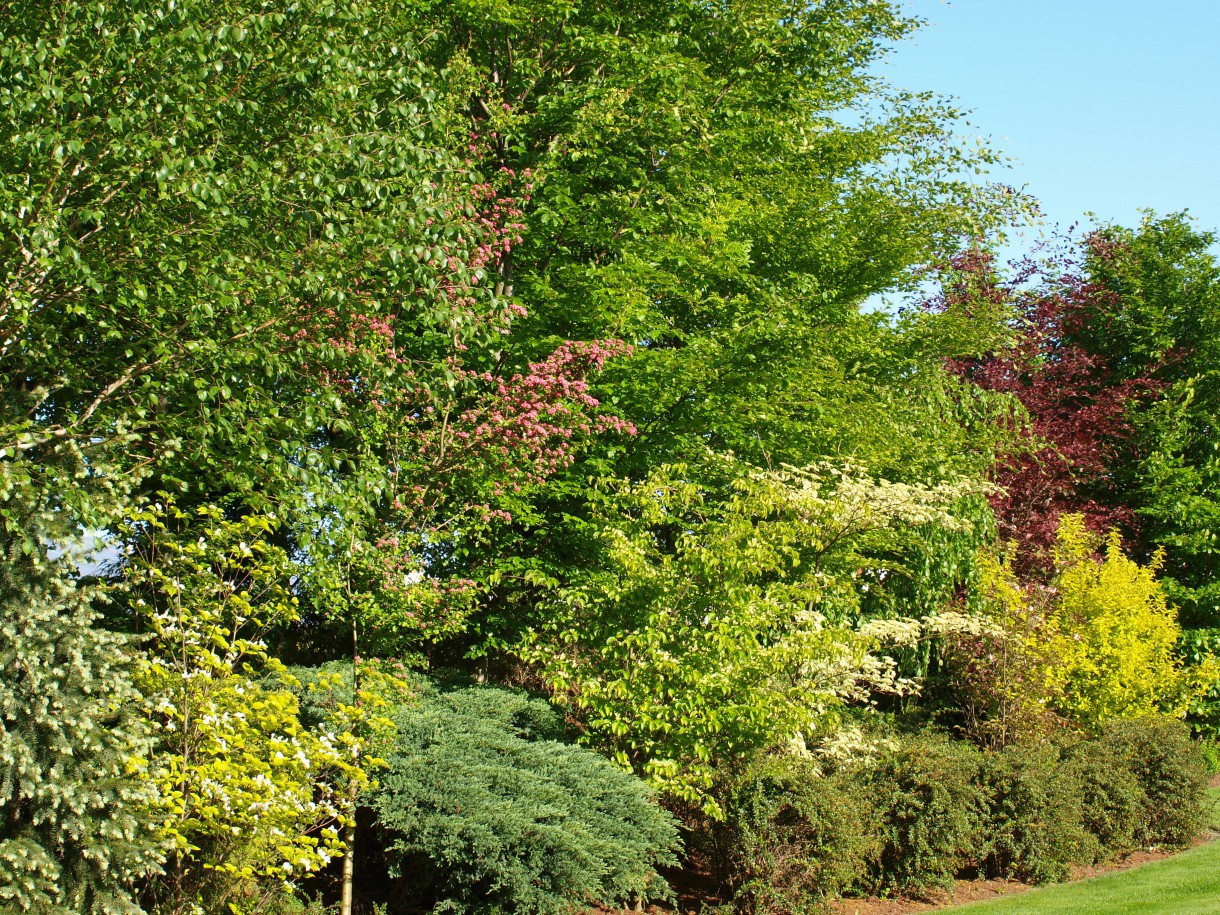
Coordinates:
column 71, row 838
column 1169, row 768
column 929, row 810
column 488, row 811
column 1114, row 800
column 934, row 809
column 799, row 838
column 1164, row 320
column 293, row 905
column 1034, row 828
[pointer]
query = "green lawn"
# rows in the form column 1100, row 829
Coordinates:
column 1186, row 884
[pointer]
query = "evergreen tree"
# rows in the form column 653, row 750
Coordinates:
column 485, row 807
column 71, row 839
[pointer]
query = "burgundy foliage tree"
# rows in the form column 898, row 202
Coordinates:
column 1063, row 458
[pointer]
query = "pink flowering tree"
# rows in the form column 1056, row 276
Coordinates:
column 448, row 442
column 461, row 469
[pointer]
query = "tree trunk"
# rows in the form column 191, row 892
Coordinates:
column 349, row 831
column 349, row 865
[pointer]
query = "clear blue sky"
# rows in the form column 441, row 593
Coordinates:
column 1108, row 106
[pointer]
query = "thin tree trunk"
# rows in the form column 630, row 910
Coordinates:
column 349, row 831
column 349, row 865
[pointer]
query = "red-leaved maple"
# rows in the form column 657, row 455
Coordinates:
column 1077, row 407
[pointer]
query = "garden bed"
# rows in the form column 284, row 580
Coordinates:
column 968, row 891
column 697, row 891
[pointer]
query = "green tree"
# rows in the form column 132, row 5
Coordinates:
column 1152, row 321
column 1161, row 316
column 1114, row 362
column 73, row 838
column 234, row 252
column 709, row 633
column 722, row 186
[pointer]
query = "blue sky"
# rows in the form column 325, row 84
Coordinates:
column 1108, row 106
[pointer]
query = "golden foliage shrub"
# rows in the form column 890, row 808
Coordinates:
column 1113, row 633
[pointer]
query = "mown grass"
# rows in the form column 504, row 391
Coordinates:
column 1186, row 884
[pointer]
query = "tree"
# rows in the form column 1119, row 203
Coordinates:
column 721, row 186
column 1114, row 367
column 73, row 835
column 1163, row 321
column 232, row 237
column 207, row 305
column 711, row 633
column 402, row 577
column 1113, row 364
column 700, row 198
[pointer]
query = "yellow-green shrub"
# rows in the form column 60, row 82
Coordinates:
column 1099, row 642
column 249, row 798
column 1001, row 675
column 1112, row 633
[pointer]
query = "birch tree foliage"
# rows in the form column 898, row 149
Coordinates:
column 231, row 233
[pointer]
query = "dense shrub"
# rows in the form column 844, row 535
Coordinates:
column 1114, row 801
column 487, row 811
column 799, row 838
column 1115, row 634
column 1034, row 828
column 1096, row 643
column 928, row 809
column 1170, row 770
column 935, row 808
